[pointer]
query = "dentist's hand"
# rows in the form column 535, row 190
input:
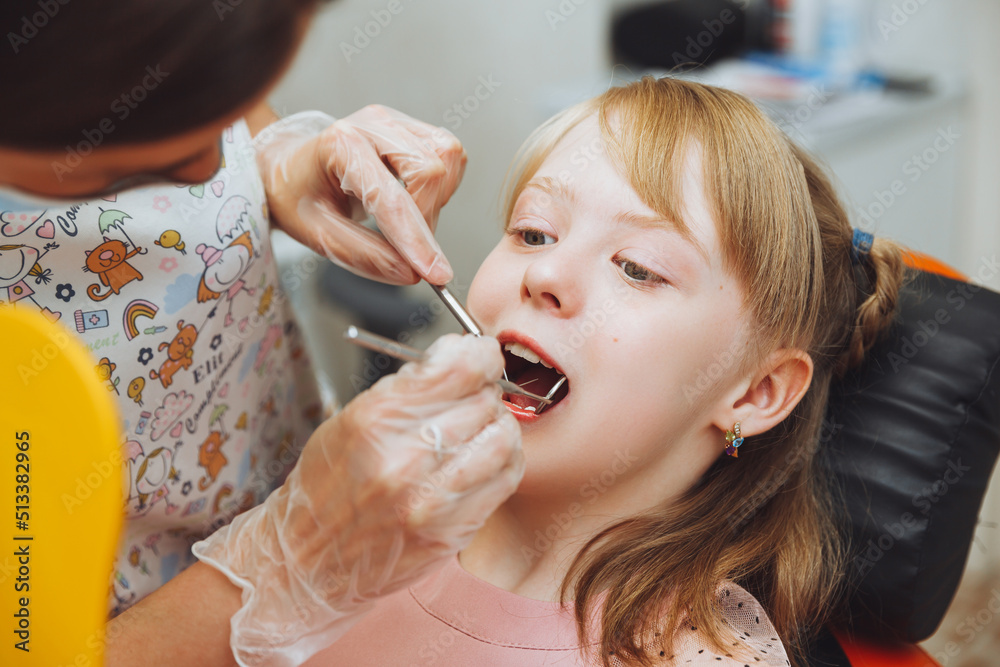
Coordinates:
column 384, row 492
column 323, row 177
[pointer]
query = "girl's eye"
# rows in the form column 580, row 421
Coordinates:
column 638, row 273
column 535, row 237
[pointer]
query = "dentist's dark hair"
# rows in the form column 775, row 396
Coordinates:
column 66, row 64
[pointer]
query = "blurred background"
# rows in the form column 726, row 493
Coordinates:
column 901, row 98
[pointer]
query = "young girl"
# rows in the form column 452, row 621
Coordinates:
column 685, row 280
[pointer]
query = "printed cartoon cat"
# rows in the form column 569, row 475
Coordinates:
column 180, row 353
column 109, row 260
column 211, row 458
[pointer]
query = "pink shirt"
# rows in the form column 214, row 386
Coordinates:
column 453, row 618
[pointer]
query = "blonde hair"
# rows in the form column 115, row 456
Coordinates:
column 765, row 520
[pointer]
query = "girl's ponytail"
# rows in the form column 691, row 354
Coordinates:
column 879, row 275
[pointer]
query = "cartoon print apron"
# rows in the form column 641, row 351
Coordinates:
column 174, row 289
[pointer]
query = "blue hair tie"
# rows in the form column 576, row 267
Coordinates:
column 861, row 245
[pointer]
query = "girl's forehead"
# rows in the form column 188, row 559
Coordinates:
column 582, row 144
column 581, row 170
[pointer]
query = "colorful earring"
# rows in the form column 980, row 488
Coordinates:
column 733, row 440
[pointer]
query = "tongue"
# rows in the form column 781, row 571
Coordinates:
column 538, row 380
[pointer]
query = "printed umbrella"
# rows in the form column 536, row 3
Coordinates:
column 217, row 415
column 114, row 219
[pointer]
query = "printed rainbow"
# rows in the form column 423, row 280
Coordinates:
column 135, row 310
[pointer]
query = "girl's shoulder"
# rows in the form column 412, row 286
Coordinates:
column 754, row 643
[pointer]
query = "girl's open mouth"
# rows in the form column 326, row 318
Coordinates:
column 527, row 369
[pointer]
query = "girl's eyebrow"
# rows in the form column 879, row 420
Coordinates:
column 552, row 187
column 646, row 221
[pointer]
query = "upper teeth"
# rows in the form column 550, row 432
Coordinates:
column 521, row 351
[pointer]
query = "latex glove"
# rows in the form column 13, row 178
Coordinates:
column 370, row 507
column 323, row 177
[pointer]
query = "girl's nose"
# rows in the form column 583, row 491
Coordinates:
column 553, row 282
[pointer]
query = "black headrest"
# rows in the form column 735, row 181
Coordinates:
column 914, row 434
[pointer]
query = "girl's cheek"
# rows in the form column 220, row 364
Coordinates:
column 486, row 290
column 475, row 301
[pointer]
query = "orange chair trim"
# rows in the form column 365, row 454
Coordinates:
column 924, row 262
column 865, row 654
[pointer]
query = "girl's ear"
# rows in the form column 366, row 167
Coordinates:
column 773, row 394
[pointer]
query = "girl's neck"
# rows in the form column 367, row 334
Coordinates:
column 527, row 545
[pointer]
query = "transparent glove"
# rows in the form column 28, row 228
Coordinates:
column 323, row 177
column 386, row 491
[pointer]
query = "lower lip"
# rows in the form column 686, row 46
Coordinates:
column 528, row 416
column 522, row 415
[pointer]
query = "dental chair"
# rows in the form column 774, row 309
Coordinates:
column 915, row 433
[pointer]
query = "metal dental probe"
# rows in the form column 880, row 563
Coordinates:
column 458, row 310
column 461, row 314
column 549, row 396
column 406, row 353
